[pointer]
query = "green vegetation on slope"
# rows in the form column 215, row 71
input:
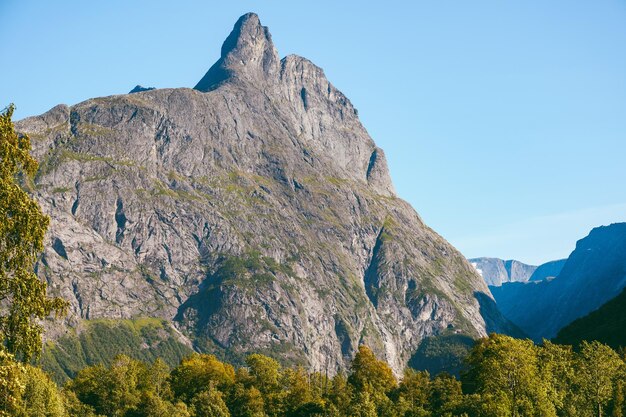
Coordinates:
column 100, row 341
column 437, row 354
column 606, row 324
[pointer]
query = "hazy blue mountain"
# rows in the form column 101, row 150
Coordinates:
column 594, row 273
column 606, row 324
column 548, row 270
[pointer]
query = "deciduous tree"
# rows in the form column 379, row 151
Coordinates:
column 599, row 366
column 23, row 298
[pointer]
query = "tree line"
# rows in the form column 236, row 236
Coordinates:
column 502, row 377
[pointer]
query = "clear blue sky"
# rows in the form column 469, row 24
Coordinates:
column 504, row 122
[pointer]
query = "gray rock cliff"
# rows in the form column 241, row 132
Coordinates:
column 498, row 271
column 254, row 212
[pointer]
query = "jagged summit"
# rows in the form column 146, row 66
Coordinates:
column 248, row 53
column 254, row 215
column 140, row 88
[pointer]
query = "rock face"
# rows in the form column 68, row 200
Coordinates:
column 254, row 212
column 594, row 273
column 497, row 271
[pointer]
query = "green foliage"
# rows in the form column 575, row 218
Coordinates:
column 152, row 405
column 198, row 372
column 440, row 353
column 599, row 369
column 100, row 341
column 508, row 370
column 26, row 391
column 41, row 396
column 246, row 402
column 264, row 371
column 22, row 229
column 504, row 377
column 368, row 370
column 11, row 384
column 210, row 403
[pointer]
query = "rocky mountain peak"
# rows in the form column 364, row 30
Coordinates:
column 248, row 54
column 253, row 214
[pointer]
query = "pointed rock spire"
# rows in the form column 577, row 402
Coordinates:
column 248, row 54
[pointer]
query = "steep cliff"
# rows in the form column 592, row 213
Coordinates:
column 254, row 213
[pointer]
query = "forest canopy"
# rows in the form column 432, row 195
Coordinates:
column 502, row 377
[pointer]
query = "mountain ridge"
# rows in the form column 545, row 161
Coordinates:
column 256, row 215
column 594, row 273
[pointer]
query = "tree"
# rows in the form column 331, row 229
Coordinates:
column 340, row 394
column 22, row 229
column 156, row 378
column 265, row 376
column 362, row 404
column 113, row 391
column 296, row 381
column 199, row 372
column 414, row 391
column 445, row 394
column 366, row 369
column 41, row 395
column 151, row 405
column 556, row 363
column 12, row 384
column 75, row 408
column 507, row 370
column 265, row 372
column 618, row 400
column 599, row 366
column 209, row 404
column 246, row 402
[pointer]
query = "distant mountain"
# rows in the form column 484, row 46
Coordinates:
column 140, row 89
column 594, row 273
column 548, row 270
column 253, row 213
column 497, row 271
column 606, row 324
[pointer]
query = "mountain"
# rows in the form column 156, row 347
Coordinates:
column 594, row 273
column 497, row 271
column 607, row 324
column 549, row 270
column 139, row 89
column 252, row 213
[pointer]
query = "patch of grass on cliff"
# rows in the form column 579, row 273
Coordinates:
column 90, row 129
column 249, row 270
column 61, row 190
column 56, row 157
column 387, row 230
column 287, row 353
column 99, row 341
